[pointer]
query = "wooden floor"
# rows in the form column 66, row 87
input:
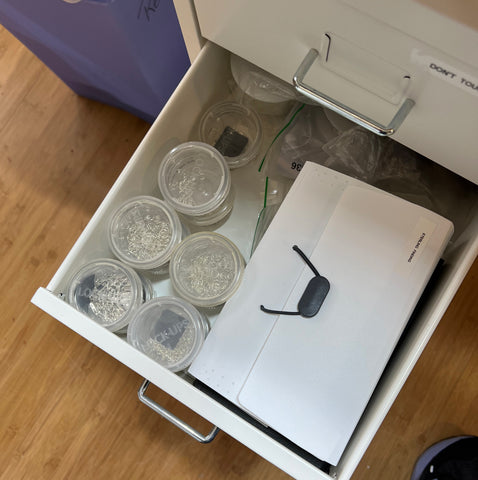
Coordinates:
column 68, row 410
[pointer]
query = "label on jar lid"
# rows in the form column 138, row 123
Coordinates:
column 170, row 329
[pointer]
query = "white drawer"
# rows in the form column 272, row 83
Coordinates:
column 205, row 83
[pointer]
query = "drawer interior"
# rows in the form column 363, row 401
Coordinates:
column 206, row 83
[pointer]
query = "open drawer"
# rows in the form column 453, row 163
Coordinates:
column 205, row 84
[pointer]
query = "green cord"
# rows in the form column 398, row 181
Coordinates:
column 262, row 212
column 265, row 192
column 279, row 134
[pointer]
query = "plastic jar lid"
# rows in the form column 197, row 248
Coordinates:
column 259, row 84
column 143, row 232
column 107, row 291
column 169, row 330
column 216, row 215
column 206, row 269
column 234, row 130
column 194, row 178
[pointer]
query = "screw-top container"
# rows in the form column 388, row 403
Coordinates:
column 233, row 129
column 143, row 232
column 169, row 330
column 195, row 180
column 108, row 292
column 266, row 93
column 206, row 269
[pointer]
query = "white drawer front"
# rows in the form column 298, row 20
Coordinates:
column 373, row 62
column 204, row 84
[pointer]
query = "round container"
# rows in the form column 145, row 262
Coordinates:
column 195, row 180
column 266, row 93
column 169, row 330
column 108, row 292
column 148, row 292
column 143, row 232
column 206, row 269
column 234, row 130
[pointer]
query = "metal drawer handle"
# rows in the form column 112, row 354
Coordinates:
column 342, row 109
column 173, row 419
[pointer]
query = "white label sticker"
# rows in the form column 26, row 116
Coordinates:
column 416, row 244
column 440, row 69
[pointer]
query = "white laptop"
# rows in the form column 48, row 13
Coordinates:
column 310, row 378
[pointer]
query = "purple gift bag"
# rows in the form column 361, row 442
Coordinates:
column 126, row 53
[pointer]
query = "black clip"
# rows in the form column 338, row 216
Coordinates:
column 313, row 296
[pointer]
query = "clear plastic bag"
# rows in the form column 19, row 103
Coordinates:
column 355, row 152
column 305, row 132
column 314, row 134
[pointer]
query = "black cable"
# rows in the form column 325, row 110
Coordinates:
column 277, row 312
column 306, row 260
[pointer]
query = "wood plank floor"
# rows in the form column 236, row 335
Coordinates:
column 68, row 410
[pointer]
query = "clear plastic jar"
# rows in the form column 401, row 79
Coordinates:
column 206, row 269
column 260, row 90
column 169, row 330
column 234, row 130
column 143, row 232
column 108, row 292
column 195, row 180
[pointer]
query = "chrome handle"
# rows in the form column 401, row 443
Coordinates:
column 342, row 109
column 173, row 419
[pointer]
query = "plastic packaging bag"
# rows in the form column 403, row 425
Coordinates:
column 304, row 134
column 314, row 134
column 355, row 152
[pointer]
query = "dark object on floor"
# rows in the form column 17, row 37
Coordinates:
column 451, row 459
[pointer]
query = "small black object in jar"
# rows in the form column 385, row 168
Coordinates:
column 231, row 143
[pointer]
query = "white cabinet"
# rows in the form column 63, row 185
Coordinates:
column 373, row 55
column 206, row 83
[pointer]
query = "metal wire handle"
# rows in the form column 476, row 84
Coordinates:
column 340, row 108
column 173, row 419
